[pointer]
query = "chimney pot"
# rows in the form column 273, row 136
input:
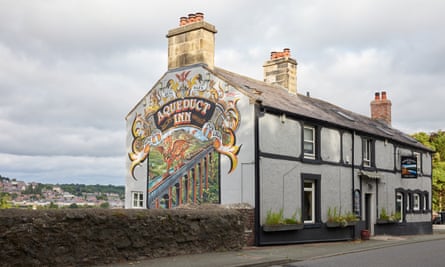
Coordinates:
column 192, row 18
column 286, row 52
column 377, row 96
column 199, row 16
column 383, row 95
column 183, row 21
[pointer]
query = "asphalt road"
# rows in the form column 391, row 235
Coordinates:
column 431, row 253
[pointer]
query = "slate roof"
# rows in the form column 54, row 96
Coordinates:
column 279, row 99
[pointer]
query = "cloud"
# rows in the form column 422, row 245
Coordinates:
column 71, row 71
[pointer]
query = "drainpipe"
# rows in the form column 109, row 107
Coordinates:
column 257, row 228
column 353, row 181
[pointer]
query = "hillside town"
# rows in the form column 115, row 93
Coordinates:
column 35, row 195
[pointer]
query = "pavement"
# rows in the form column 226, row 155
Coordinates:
column 281, row 255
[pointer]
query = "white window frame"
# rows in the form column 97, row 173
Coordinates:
column 367, row 152
column 399, row 204
column 408, row 201
column 425, row 204
column 312, row 142
column 416, row 202
column 312, row 190
column 137, row 199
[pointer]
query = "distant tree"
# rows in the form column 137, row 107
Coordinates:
column 5, row 201
column 105, row 205
column 436, row 141
column 73, row 206
column 52, row 205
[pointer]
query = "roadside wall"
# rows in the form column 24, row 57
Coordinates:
column 85, row 237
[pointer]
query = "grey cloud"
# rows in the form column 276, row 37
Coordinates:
column 71, row 71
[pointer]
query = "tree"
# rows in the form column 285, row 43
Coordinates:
column 105, row 205
column 436, row 141
column 4, row 201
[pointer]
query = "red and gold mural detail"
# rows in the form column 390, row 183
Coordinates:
column 186, row 115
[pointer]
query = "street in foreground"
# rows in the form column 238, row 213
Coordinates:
column 415, row 254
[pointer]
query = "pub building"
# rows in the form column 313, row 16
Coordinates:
column 203, row 134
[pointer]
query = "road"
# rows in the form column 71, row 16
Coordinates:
column 429, row 254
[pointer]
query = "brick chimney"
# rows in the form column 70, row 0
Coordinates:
column 281, row 69
column 381, row 108
column 192, row 42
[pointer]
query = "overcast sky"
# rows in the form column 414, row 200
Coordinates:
column 70, row 71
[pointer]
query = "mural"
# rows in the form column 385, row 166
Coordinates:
column 189, row 120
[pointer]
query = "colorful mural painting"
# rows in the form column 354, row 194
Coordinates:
column 189, row 119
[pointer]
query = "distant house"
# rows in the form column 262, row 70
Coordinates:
column 205, row 134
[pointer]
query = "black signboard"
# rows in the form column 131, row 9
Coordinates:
column 409, row 167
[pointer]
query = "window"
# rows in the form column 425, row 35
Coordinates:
column 399, row 204
column 309, row 142
column 408, row 202
column 367, row 152
column 309, row 202
column 138, row 200
column 416, row 202
column 425, row 202
column 310, row 184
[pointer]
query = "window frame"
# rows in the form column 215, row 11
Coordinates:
column 137, row 199
column 408, row 205
column 315, row 180
column 310, row 189
column 367, row 152
column 400, row 207
column 416, row 202
column 310, row 155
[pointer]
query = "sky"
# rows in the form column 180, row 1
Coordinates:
column 70, row 71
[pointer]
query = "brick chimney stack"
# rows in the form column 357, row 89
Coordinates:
column 192, row 42
column 281, row 69
column 381, row 108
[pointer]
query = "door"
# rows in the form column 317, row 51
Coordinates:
column 368, row 210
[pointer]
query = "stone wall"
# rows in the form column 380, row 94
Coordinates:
column 86, row 237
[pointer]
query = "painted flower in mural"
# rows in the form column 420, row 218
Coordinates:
column 187, row 102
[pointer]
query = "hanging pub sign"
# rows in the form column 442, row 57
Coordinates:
column 409, row 167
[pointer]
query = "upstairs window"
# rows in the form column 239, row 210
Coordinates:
column 367, row 152
column 309, row 142
column 138, row 199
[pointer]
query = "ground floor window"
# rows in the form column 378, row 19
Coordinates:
column 399, row 204
column 311, row 198
column 138, row 199
column 416, row 202
column 411, row 201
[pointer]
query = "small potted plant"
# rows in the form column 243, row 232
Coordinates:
column 384, row 218
column 335, row 219
column 275, row 221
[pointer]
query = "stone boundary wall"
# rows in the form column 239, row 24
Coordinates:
column 88, row 237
